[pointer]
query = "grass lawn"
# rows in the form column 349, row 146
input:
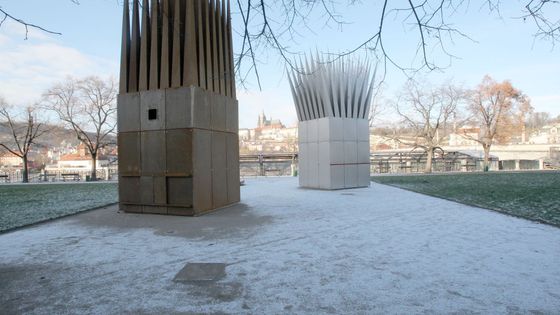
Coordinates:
column 530, row 195
column 26, row 204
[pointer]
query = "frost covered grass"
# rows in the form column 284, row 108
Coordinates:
column 531, row 195
column 27, row 204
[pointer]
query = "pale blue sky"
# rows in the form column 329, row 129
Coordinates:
column 504, row 49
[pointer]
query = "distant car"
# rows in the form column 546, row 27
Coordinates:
column 551, row 166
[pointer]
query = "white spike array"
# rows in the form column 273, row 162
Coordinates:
column 342, row 88
column 332, row 103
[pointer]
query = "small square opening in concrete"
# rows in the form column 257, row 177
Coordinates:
column 201, row 272
column 152, row 114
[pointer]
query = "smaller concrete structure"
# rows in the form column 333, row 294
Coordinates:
column 177, row 109
column 332, row 103
column 334, row 153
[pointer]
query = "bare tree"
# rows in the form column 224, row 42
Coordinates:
column 25, row 24
column 277, row 25
column 377, row 107
column 88, row 107
column 25, row 129
column 499, row 110
column 535, row 121
column 425, row 116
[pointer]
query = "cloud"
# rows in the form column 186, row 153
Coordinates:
column 29, row 67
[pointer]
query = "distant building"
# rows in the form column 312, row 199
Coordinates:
column 244, row 134
column 81, row 160
column 464, row 136
column 270, row 135
column 8, row 159
column 547, row 135
column 264, row 123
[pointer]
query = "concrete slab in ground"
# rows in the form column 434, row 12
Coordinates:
column 288, row 250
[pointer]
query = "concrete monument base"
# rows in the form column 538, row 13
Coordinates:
column 334, row 153
column 179, row 151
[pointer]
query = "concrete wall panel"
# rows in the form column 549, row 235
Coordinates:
column 150, row 101
column 154, row 209
column 336, row 153
column 201, row 112
column 160, row 190
column 146, row 190
column 179, row 152
column 232, row 116
column 129, row 188
column 129, row 153
column 202, row 169
column 233, row 185
column 128, row 112
column 325, row 176
column 219, row 149
column 323, row 129
column 130, row 208
column 313, row 165
column 179, row 113
column 350, row 152
column 219, row 187
column 336, row 129
column 218, row 110
column 337, row 176
column 350, row 129
column 312, row 130
column 350, row 176
column 302, row 132
column 153, row 152
column 180, row 191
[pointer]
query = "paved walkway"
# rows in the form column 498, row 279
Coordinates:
column 288, row 250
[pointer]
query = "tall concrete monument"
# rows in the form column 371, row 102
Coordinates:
column 177, row 110
column 332, row 102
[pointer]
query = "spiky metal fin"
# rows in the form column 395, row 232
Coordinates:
column 125, row 49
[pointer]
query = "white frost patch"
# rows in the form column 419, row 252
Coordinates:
column 371, row 250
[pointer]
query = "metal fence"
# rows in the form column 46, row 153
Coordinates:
column 277, row 164
column 16, row 176
column 415, row 162
column 286, row 164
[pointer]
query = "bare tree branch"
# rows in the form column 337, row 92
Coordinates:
column 24, row 132
column 425, row 122
column 88, row 107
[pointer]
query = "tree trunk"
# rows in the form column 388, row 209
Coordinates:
column 25, row 175
column 486, row 157
column 93, row 176
column 429, row 158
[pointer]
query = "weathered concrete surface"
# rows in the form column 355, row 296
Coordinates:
column 288, row 250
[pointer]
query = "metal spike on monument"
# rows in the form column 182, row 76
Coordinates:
column 221, row 48
column 143, row 82
column 233, row 92
column 125, row 49
column 134, row 63
column 214, row 37
column 225, row 40
column 177, row 49
column 165, row 75
column 155, row 45
column 190, row 61
column 200, row 43
column 208, row 44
